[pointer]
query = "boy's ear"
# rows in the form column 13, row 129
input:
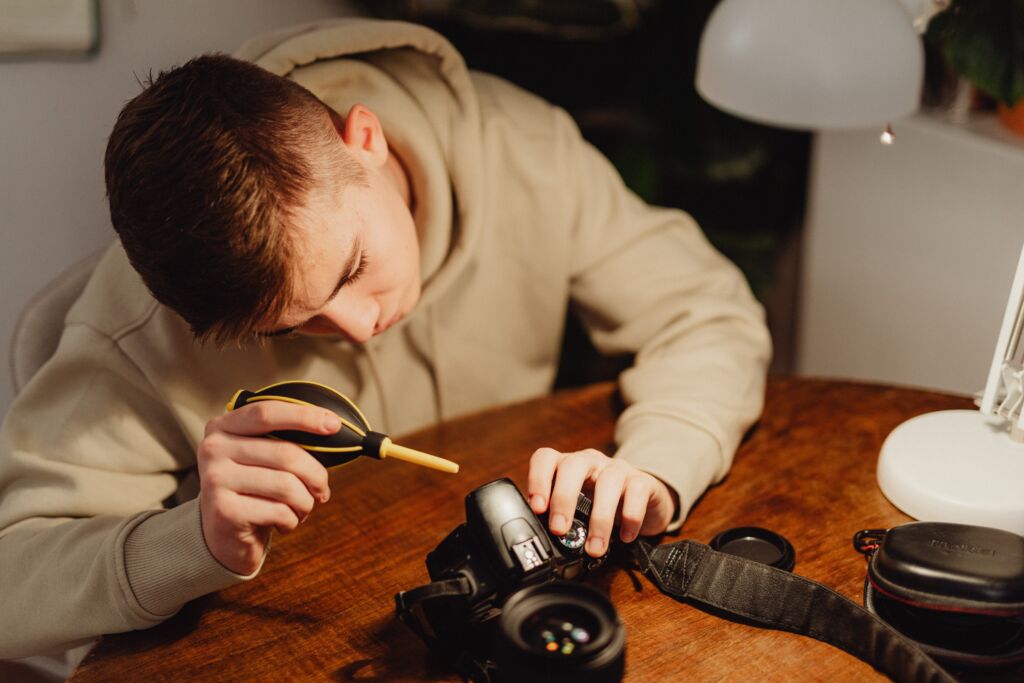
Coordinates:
column 364, row 136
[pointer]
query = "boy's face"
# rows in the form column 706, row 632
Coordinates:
column 357, row 259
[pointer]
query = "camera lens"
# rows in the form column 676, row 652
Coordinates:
column 560, row 631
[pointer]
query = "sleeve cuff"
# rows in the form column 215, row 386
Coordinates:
column 167, row 563
column 685, row 457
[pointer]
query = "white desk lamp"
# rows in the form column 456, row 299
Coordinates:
column 825, row 64
column 967, row 466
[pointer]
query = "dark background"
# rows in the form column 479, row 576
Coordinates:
column 625, row 70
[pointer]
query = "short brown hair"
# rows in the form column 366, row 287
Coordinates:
column 204, row 170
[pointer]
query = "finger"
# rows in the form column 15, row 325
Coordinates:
column 572, row 471
column 607, row 492
column 634, row 508
column 265, row 513
column 543, row 463
column 264, row 417
column 285, row 456
column 219, row 451
column 274, row 485
column 661, row 506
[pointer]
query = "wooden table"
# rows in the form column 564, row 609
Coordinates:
column 322, row 608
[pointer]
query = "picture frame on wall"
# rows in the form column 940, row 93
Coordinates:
column 49, row 29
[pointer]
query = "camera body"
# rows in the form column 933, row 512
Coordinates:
column 504, row 546
column 504, row 557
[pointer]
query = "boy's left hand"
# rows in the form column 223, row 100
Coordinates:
column 647, row 505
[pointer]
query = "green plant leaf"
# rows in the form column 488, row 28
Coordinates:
column 983, row 40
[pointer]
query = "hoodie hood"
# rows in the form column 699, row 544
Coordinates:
column 415, row 81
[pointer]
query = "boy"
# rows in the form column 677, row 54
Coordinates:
column 360, row 210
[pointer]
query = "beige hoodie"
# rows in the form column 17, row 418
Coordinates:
column 99, row 526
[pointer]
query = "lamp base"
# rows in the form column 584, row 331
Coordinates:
column 955, row 466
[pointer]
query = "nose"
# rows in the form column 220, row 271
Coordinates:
column 354, row 317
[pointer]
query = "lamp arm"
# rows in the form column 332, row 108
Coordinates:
column 1004, row 388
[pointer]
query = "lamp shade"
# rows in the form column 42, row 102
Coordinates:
column 815, row 64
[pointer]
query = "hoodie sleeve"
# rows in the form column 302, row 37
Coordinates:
column 87, row 454
column 646, row 281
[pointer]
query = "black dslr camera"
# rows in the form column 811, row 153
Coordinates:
column 499, row 606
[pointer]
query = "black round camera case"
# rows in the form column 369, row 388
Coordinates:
column 955, row 589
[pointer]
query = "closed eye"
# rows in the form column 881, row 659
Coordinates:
column 364, row 262
column 349, row 279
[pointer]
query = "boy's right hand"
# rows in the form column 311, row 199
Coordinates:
column 250, row 484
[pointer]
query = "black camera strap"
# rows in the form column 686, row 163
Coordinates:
column 413, row 607
column 760, row 594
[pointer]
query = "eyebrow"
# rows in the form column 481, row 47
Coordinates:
column 346, row 275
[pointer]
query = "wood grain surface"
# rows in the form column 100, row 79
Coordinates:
column 322, row 608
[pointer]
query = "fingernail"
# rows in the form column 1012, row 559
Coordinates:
column 331, row 422
column 537, row 502
column 595, row 546
column 559, row 524
column 628, row 537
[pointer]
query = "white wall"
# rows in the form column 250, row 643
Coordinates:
column 55, row 118
column 910, row 252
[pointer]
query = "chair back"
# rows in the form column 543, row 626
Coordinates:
column 41, row 323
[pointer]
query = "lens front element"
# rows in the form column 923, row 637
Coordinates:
column 560, row 631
